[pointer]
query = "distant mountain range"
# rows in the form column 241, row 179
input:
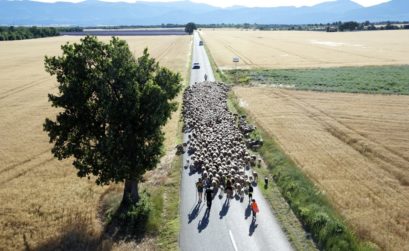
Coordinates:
column 93, row 13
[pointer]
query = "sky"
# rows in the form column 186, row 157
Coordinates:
column 248, row 3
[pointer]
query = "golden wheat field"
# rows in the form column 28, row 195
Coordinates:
column 304, row 49
column 355, row 147
column 42, row 198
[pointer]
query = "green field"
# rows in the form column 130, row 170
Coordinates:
column 373, row 79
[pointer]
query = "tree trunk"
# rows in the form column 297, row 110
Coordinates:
column 131, row 195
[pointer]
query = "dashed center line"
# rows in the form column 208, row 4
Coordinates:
column 232, row 240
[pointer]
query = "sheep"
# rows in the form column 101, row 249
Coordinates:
column 216, row 143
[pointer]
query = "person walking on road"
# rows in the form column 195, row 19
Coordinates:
column 199, row 186
column 229, row 189
column 254, row 208
column 209, row 197
column 250, row 192
column 205, row 77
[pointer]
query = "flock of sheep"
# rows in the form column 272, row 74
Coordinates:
column 216, row 143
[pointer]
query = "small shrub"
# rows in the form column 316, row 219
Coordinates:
column 139, row 211
column 123, row 223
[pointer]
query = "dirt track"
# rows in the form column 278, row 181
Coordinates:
column 354, row 146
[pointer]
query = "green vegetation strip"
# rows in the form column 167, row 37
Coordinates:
column 170, row 221
column 369, row 79
column 20, row 32
column 170, row 225
column 318, row 217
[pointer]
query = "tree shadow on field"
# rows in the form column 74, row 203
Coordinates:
column 125, row 224
column 76, row 235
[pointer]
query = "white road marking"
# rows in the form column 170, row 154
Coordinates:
column 232, row 240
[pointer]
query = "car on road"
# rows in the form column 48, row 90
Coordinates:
column 196, row 66
column 200, row 43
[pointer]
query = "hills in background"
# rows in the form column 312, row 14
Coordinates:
column 93, row 13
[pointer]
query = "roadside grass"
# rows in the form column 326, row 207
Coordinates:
column 318, row 217
column 168, row 237
column 168, row 221
column 368, row 79
column 170, row 227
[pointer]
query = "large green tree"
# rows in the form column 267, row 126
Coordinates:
column 112, row 109
column 190, row 27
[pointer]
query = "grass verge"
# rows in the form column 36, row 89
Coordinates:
column 169, row 220
column 170, row 225
column 368, row 79
column 318, row 217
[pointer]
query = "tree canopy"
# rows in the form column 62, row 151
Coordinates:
column 20, row 33
column 190, row 27
column 113, row 109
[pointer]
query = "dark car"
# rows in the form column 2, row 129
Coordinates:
column 200, row 43
column 196, row 66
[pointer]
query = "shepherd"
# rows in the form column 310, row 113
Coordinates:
column 209, row 197
column 250, row 192
column 199, row 186
column 254, row 208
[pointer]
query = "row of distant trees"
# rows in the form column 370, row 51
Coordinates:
column 336, row 26
column 20, row 33
column 330, row 27
column 355, row 26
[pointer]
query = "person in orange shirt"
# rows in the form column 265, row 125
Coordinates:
column 254, row 208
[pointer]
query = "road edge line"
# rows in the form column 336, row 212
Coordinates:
column 233, row 241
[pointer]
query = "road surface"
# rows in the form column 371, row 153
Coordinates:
column 228, row 226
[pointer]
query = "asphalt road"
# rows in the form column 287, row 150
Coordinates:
column 227, row 226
